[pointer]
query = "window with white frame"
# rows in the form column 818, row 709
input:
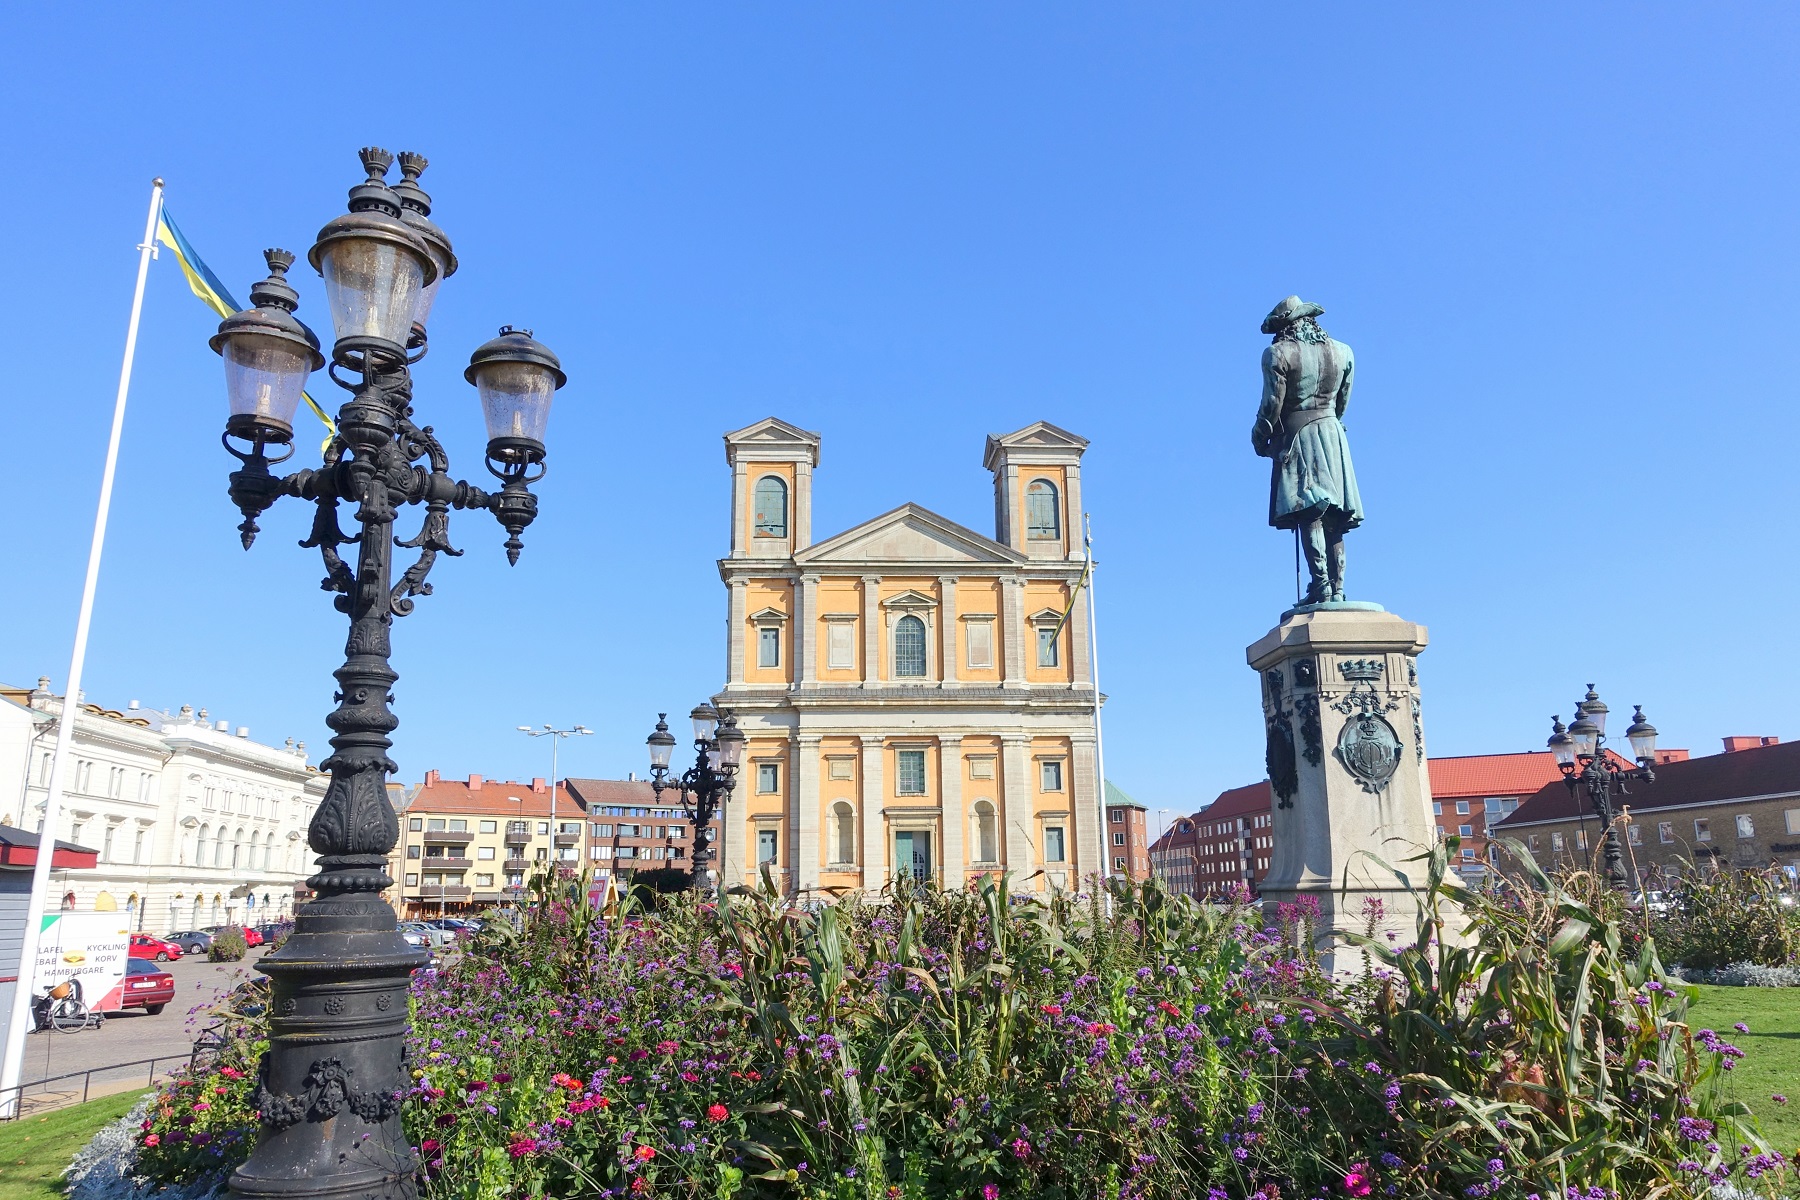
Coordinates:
column 1792, row 816
column 1665, row 832
column 768, row 778
column 1116, row 816
column 768, row 646
column 1702, row 829
column 767, row 846
column 1047, row 638
column 489, row 826
column 1634, row 835
column 1118, row 839
column 1050, row 775
column 1746, row 827
column 909, row 772
column 909, row 648
column 484, row 853
column 1055, row 849
column 1556, row 842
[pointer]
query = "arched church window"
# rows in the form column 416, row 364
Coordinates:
column 771, row 507
column 1042, row 516
column 843, row 819
column 909, row 647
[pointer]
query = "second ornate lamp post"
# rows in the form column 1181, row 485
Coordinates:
column 705, row 786
column 328, row 1087
column 1581, row 756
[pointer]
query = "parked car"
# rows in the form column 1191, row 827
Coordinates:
column 252, row 935
column 455, row 926
column 434, row 937
column 144, row 945
column 146, row 986
column 193, row 941
column 415, row 937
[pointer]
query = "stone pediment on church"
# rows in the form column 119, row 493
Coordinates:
column 908, row 534
column 1039, row 437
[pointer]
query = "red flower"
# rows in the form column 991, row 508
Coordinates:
column 429, row 1147
column 152, row 1140
column 231, row 1072
column 1054, row 1010
column 1357, row 1181
column 717, row 1112
column 644, row 1153
column 1169, row 1008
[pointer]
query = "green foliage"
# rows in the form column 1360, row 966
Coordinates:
column 1718, row 917
column 228, row 945
column 35, row 1149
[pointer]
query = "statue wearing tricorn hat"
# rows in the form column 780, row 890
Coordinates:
column 1306, row 386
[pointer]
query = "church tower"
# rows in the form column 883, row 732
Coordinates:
column 1037, row 490
column 771, row 488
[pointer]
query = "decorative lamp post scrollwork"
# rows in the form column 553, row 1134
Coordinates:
column 327, row 1088
column 1581, row 756
column 705, row 786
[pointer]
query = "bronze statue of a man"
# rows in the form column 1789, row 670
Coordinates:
column 1306, row 386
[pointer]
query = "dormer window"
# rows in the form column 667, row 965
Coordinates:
column 1043, row 518
column 771, row 507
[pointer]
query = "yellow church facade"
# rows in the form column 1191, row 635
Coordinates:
column 913, row 697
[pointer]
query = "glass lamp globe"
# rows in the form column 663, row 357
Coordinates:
column 731, row 745
column 1594, row 709
column 706, row 722
column 662, row 744
column 374, row 267
column 1643, row 737
column 1561, row 744
column 1586, row 735
column 515, row 375
column 268, row 355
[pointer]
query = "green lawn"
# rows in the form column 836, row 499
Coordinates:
column 1771, row 1061
column 34, row 1151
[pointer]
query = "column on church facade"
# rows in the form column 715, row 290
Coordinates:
column 947, row 630
column 1012, row 636
column 955, row 820
column 1017, row 817
column 871, row 616
column 806, row 629
column 1092, row 853
column 806, row 810
column 875, row 851
column 734, row 639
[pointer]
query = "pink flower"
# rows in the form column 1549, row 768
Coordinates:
column 1021, row 1148
column 667, row 1047
column 231, row 1072
column 717, row 1112
column 1357, row 1181
column 644, row 1153
column 990, row 1191
column 522, row 1147
column 152, row 1140
column 202, row 1106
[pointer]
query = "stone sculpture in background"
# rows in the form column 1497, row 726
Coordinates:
column 1312, row 489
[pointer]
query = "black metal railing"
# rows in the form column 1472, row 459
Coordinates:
column 43, row 1097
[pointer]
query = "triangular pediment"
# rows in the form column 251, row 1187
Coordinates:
column 908, row 534
column 1037, row 436
column 910, row 598
column 773, row 434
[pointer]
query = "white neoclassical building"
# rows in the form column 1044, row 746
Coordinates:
column 914, row 697
column 194, row 823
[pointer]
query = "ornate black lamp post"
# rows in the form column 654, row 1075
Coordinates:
column 704, row 787
column 327, row 1087
column 1581, row 756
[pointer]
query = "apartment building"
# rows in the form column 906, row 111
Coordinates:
column 469, row 844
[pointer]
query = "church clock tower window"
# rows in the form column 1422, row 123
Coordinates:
column 1042, row 520
column 771, row 507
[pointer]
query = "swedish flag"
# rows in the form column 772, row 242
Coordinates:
column 204, row 284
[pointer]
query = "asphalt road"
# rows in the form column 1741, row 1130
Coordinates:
column 134, row 1034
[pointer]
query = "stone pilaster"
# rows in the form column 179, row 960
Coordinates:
column 734, row 638
column 871, row 631
column 956, row 820
column 805, row 825
column 949, row 667
column 874, row 826
column 1092, row 853
column 802, row 529
column 1012, row 632
column 1081, row 657
column 806, row 630
column 740, row 472
column 1016, row 819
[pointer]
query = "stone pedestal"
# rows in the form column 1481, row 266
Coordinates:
column 1346, row 757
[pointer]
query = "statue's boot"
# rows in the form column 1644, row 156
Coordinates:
column 1335, row 552
column 1318, row 589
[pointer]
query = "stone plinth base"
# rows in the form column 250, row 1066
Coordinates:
column 1346, row 758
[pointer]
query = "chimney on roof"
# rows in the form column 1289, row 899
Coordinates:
column 1734, row 744
column 243, row 731
column 432, row 777
column 538, row 784
column 1669, row 756
column 132, row 707
column 474, row 783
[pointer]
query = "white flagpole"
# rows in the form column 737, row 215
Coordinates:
column 12, row 1059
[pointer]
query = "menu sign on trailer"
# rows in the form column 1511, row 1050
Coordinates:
column 89, row 947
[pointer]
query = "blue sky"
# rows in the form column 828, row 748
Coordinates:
column 1560, row 238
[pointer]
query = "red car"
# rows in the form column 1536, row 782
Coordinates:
column 145, row 946
column 145, row 986
column 251, row 936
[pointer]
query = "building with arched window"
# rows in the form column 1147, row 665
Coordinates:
column 914, row 698
column 177, row 808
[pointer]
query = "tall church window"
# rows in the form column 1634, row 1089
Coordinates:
column 1042, row 520
column 771, row 507
column 843, row 820
column 909, row 647
column 909, row 772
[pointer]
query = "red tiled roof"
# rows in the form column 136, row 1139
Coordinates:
column 1763, row 771
column 1236, row 802
column 1491, row 774
column 637, row 792
column 495, row 797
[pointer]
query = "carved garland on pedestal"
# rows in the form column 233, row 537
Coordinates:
column 1284, row 773
column 326, row 1092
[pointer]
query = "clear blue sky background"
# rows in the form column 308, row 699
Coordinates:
column 1561, row 239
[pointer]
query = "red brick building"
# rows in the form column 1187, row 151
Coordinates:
column 630, row 830
column 1127, row 839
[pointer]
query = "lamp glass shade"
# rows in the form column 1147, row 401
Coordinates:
column 515, row 398
column 1596, row 713
column 706, row 722
column 1563, row 747
column 264, row 376
column 1586, row 735
column 372, row 287
column 662, row 745
column 428, row 293
column 712, row 760
column 731, row 746
column 1643, row 738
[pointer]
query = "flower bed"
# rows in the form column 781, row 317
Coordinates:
column 1128, row 1045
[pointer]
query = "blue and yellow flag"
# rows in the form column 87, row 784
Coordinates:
column 204, row 284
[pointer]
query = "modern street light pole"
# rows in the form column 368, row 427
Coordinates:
column 556, row 736
column 327, row 1089
column 1581, row 757
column 705, row 786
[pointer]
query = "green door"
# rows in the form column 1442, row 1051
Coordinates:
column 912, row 853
